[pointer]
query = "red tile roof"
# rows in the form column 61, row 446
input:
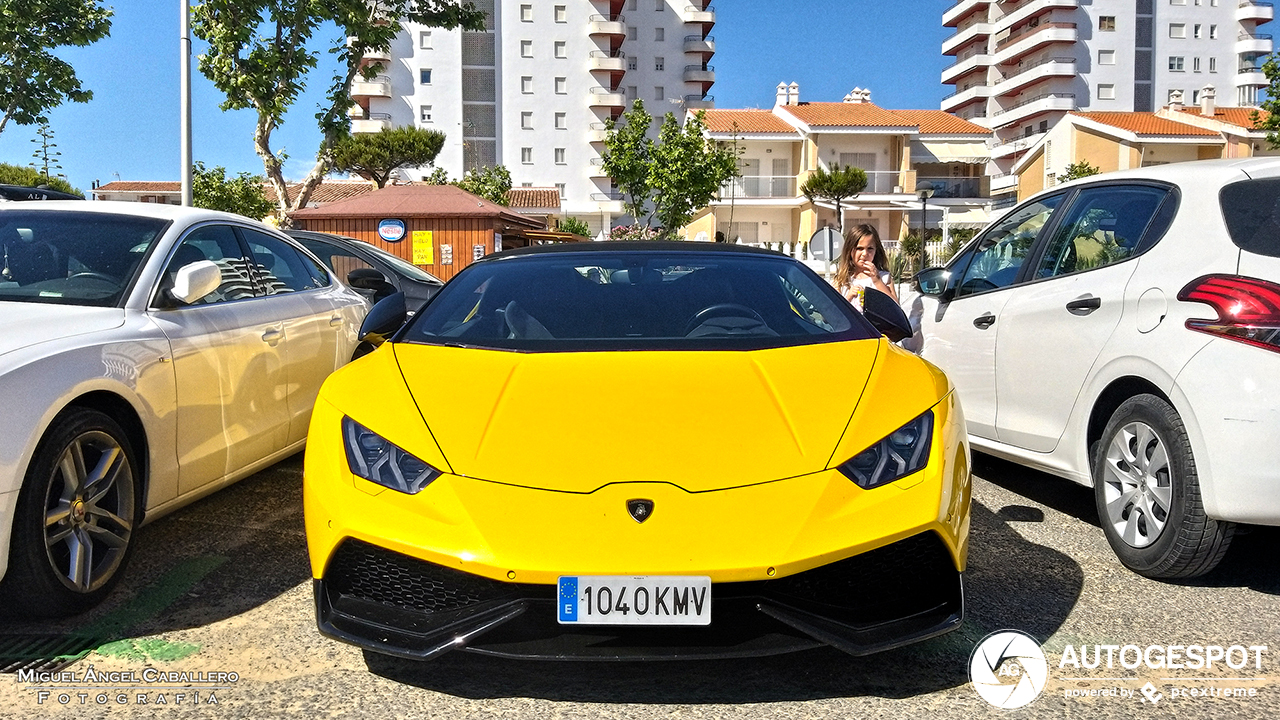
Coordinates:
column 416, row 201
column 842, row 114
column 1239, row 116
column 326, row 192
column 746, row 121
column 937, row 122
column 531, row 197
column 140, row 186
column 1146, row 123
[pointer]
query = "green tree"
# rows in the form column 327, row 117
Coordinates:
column 490, row 183
column 1078, row 170
column 376, row 155
column 32, row 79
column 627, row 156
column 260, row 54
column 213, row 190
column 1271, row 122
column 575, row 226
column 439, row 176
column 28, row 177
column 835, row 185
column 686, row 170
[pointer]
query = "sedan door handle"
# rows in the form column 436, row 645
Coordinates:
column 272, row 337
column 984, row 321
column 335, row 321
column 1084, row 305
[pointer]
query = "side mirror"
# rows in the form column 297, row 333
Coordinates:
column 367, row 279
column 885, row 315
column 933, row 281
column 195, row 280
column 384, row 319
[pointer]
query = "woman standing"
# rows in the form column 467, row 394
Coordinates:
column 863, row 264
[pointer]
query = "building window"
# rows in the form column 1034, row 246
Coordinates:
column 632, row 93
column 526, row 13
column 562, row 86
column 632, row 62
column 1177, row 2
column 560, row 51
column 561, row 124
column 560, row 189
column 561, row 16
column 659, row 34
column 659, row 64
column 526, row 85
column 661, row 5
column 1195, row 64
column 424, row 113
column 1106, row 92
column 526, row 48
column 1213, row 64
column 1107, row 23
column 526, row 155
column 526, row 120
column 559, row 156
column 1175, row 63
column 659, row 93
column 424, row 76
column 633, row 32
column 1213, row 32
column 1177, row 30
column 1195, row 31
column 1195, row 97
column 1106, row 57
column 424, row 40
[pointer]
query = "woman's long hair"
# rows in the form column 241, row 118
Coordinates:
column 844, row 271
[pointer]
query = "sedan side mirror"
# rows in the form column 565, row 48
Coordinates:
column 384, row 319
column 195, row 280
column 933, row 281
column 367, row 279
column 885, row 315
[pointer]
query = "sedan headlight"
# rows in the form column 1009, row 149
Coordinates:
column 905, row 451
column 374, row 458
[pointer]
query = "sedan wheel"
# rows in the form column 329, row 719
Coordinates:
column 75, row 517
column 1148, row 494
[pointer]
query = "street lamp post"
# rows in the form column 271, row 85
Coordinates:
column 924, row 191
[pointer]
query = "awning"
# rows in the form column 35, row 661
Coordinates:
column 949, row 152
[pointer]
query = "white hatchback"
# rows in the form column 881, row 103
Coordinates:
column 149, row 355
column 1122, row 331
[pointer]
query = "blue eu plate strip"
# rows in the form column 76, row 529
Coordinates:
column 568, row 599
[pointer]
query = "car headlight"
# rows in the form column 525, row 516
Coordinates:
column 374, row 458
column 905, row 451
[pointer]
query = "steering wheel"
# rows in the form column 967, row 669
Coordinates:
column 95, row 275
column 721, row 310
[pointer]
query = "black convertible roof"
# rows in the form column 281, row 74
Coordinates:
column 615, row 246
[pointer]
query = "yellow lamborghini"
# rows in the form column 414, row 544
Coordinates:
column 636, row 451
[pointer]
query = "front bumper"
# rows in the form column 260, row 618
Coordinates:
column 393, row 604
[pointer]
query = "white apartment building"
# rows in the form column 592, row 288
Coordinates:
column 1020, row 65
column 532, row 92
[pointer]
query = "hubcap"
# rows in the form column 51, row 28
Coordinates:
column 89, row 511
column 1137, row 484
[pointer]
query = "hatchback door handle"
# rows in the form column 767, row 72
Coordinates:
column 984, row 321
column 272, row 337
column 1084, row 305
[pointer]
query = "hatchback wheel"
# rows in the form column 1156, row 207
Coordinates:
column 1148, row 494
column 73, row 527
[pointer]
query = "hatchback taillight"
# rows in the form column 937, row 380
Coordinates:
column 1248, row 309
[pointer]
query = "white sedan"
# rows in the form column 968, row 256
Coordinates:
column 149, row 355
column 1123, row 331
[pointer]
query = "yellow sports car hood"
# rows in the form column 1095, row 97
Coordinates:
column 575, row 422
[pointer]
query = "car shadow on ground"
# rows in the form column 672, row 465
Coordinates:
column 1006, row 577
column 217, row 558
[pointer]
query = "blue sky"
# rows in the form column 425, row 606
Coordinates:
column 129, row 130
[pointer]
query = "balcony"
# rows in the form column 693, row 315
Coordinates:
column 605, row 98
column 704, row 74
column 952, row 187
column 699, row 102
column 970, row 62
column 1031, row 74
column 612, row 26
column 375, row 122
column 609, row 202
column 695, row 14
column 761, row 186
column 964, row 36
column 963, row 9
column 1253, row 43
column 1258, row 11
column 1048, row 102
column 1250, row 75
column 1015, row 46
column 596, row 169
column 371, row 55
column 1030, row 10
column 379, row 86
column 596, row 132
column 964, row 97
column 611, row 62
column 1013, row 148
column 696, row 44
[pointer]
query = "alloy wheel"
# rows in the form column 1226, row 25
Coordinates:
column 1138, row 491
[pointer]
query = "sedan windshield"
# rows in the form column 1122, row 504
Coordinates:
column 637, row 300
column 72, row 258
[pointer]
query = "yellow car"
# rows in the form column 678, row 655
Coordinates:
column 637, row 451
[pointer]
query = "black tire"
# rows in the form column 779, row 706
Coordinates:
column 1148, row 494
column 85, row 471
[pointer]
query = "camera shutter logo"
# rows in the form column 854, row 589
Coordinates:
column 1008, row 669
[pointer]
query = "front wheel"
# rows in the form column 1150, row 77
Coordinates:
column 1148, row 494
column 75, row 518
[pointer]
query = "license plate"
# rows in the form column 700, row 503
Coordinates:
column 629, row 600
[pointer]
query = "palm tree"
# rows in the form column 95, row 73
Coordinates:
column 836, row 185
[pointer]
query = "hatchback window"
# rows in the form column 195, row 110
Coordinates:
column 219, row 244
column 281, row 268
column 1252, row 211
column 1104, row 225
column 1003, row 249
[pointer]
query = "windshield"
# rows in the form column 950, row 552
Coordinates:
column 72, row 258
column 402, row 266
column 612, row 300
